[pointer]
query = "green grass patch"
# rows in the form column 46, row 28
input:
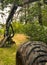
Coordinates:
column 8, row 55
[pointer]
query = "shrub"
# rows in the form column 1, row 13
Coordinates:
column 34, row 30
column 1, row 31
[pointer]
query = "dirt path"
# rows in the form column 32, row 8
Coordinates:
column 20, row 38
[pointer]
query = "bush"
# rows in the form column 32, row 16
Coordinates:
column 18, row 27
column 1, row 31
column 34, row 30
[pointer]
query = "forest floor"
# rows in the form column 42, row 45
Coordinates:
column 8, row 55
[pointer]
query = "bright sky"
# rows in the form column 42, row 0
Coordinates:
column 6, row 13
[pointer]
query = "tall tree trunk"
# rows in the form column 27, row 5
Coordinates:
column 40, row 15
column 28, row 11
column 25, row 15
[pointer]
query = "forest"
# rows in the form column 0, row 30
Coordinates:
column 21, row 21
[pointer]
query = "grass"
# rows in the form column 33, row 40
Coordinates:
column 8, row 55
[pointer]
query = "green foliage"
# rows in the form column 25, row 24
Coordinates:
column 18, row 27
column 5, row 2
column 1, row 31
column 44, row 15
column 34, row 30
